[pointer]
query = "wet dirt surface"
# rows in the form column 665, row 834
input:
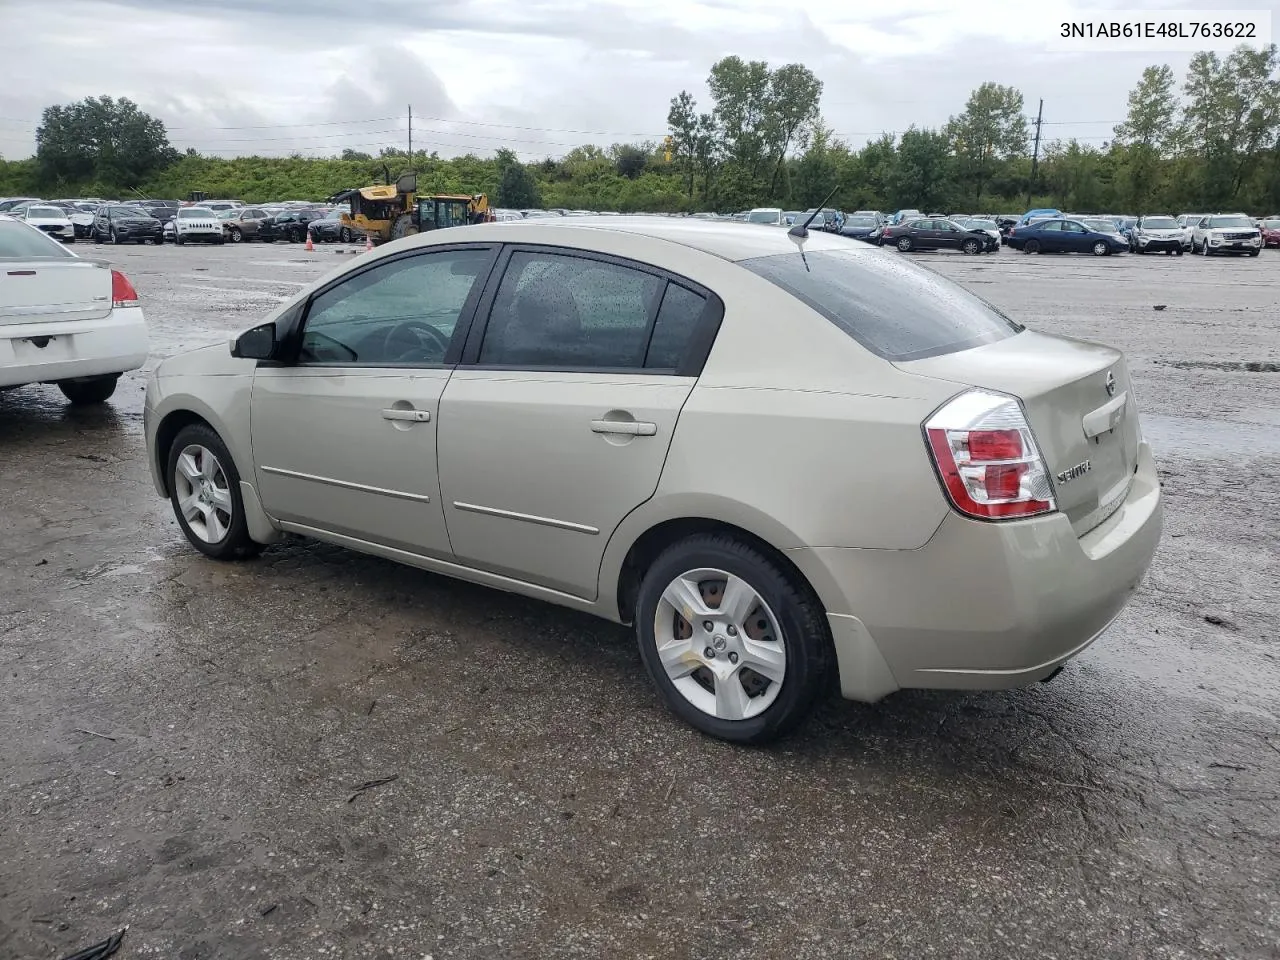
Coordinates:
column 185, row 741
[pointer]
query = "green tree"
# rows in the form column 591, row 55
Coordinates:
column 1232, row 113
column 923, row 173
column 102, row 140
column 517, row 188
column 1148, row 133
column 989, row 131
column 682, row 121
column 630, row 159
column 742, row 97
column 792, row 113
column 817, row 170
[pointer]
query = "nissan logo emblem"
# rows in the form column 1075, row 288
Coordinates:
column 1111, row 384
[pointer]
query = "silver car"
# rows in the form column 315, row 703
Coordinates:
column 783, row 466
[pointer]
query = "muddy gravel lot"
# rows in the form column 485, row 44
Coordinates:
column 316, row 754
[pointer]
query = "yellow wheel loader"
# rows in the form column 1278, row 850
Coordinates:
column 391, row 211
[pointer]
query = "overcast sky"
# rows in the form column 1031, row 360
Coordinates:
column 235, row 77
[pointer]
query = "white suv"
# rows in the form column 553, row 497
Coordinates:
column 197, row 223
column 1226, row 233
column 64, row 320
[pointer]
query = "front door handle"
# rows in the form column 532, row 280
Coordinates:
column 628, row 428
column 414, row 416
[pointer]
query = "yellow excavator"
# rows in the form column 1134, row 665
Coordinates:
column 393, row 210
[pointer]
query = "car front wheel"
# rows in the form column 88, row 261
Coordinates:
column 1101, row 249
column 89, row 391
column 972, row 247
column 236, row 235
column 736, row 647
column 204, row 488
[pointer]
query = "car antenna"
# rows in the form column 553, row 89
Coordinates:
column 800, row 232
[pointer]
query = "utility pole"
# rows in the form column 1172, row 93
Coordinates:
column 411, row 136
column 1035, row 155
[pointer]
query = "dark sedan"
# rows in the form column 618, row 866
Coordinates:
column 290, row 225
column 121, row 223
column 329, row 228
column 1059, row 235
column 936, row 234
column 861, row 228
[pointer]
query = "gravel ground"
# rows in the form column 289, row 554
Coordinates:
column 193, row 749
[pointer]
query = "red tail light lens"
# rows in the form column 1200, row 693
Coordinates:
column 122, row 292
column 987, row 458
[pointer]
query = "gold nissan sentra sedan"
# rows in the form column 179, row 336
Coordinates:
column 784, row 463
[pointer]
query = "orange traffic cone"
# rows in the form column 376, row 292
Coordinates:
column 368, row 242
column 310, row 247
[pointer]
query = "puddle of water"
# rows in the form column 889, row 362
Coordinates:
column 1217, row 438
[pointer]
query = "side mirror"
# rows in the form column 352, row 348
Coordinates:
column 256, row 344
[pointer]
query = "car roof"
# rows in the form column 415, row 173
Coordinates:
column 727, row 239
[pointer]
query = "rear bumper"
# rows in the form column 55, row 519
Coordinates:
column 983, row 605
column 78, row 348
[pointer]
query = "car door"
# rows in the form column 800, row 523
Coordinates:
column 344, row 434
column 950, row 235
column 924, row 234
column 1049, row 233
column 557, row 423
column 1076, row 237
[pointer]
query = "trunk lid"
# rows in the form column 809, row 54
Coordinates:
column 1080, row 405
column 40, row 290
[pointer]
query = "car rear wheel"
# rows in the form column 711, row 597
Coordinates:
column 904, row 244
column 1101, row 249
column 91, row 390
column 971, row 247
column 1031, row 246
column 204, row 488
column 734, row 645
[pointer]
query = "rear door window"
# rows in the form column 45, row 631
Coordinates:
column 18, row 241
column 896, row 309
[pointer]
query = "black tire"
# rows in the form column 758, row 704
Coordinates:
column 805, row 635
column 344, row 235
column 1178, row 252
column 115, row 237
column 93, row 390
column 219, row 241
column 158, row 241
column 177, row 238
column 237, row 235
column 1031, row 246
column 1101, row 249
column 904, row 244
column 971, row 247
column 1254, row 253
column 236, row 543
column 97, row 237
column 403, row 227
column 1204, row 250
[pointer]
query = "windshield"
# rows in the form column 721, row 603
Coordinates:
column 193, row 213
column 897, row 309
column 1271, row 224
column 860, row 221
column 18, row 241
column 228, row 214
column 46, row 212
column 763, row 216
column 1230, row 222
column 129, row 212
column 976, row 224
column 1159, row 223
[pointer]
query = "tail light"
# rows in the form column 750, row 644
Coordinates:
column 987, row 459
column 122, row 292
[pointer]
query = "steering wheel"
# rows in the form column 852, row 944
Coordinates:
column 425, row 333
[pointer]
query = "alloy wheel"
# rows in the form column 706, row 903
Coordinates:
column 204, row 494
column 720, row 644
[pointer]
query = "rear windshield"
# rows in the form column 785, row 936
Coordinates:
column 763, row 216
column 896, row 309
column 22, row 241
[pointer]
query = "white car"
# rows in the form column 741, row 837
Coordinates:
column 773, row 216
column 1226, row 233
column 197, row 224
column 52, row 220
column 63, row 319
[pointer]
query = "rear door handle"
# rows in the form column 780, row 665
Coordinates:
column 628, row 428
column 415, row 416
